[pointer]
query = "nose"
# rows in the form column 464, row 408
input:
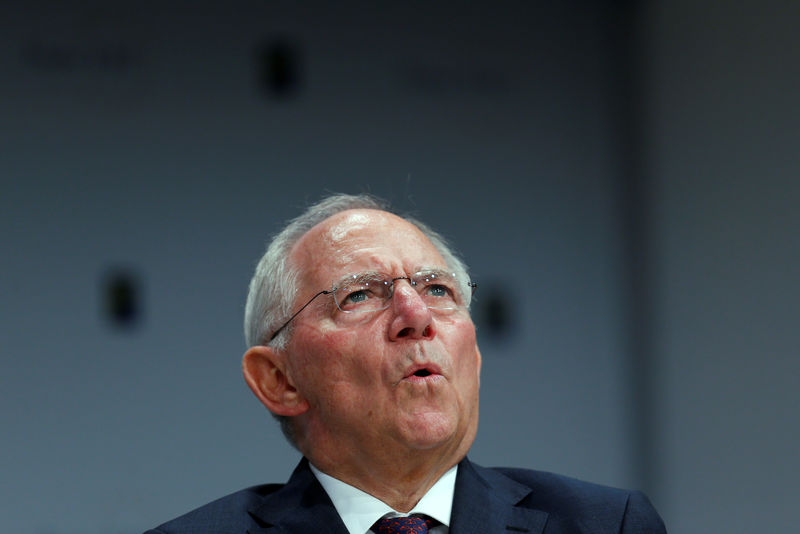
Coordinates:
column 412, row 318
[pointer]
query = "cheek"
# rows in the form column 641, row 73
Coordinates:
column 465, row 349
column 334, row 357
column 338, row 340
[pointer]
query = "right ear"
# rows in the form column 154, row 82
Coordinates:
column 264, row 371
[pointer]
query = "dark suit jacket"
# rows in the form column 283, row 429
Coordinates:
column 485, row 501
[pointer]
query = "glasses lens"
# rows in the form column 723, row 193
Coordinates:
column 367, row 292
column 363, row 293
column 439, row 290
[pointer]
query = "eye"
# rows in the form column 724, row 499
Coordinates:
column 439, row 295
column 438, row 290
column 361, row 293
column 355, row 297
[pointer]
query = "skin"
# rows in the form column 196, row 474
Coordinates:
column 360, row 414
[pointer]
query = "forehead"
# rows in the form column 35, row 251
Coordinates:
column 358, row 240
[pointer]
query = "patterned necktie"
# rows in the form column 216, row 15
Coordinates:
column 403, row 525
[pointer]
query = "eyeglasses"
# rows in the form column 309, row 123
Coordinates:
column 441, row 291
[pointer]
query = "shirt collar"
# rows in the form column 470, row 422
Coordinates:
column 359, row 510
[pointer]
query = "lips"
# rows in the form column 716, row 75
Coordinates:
column 422, row 371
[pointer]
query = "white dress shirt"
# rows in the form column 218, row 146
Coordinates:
column 360, row 510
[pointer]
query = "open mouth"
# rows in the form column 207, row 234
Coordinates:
column 427, row 370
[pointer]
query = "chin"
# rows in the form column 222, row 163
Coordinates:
column 430, row 430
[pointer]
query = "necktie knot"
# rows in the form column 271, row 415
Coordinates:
column 403, row 525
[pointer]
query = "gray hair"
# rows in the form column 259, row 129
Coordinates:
column 273, row 288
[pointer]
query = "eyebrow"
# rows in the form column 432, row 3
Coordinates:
column 359, row 277
column 436, row 271
column 367, row 276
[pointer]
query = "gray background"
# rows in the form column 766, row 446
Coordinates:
column 620, row 176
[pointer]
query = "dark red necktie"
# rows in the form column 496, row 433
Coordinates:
column 403, row 525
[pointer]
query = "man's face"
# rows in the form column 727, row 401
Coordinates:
column 356, row 371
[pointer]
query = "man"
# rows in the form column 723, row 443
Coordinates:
column 362, row 345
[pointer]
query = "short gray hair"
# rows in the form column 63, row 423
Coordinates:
column 273, row 288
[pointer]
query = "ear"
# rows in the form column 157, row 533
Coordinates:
column 264, row 371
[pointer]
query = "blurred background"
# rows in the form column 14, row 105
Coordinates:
column 621, row 177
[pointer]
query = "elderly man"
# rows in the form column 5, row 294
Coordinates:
column 362, row 345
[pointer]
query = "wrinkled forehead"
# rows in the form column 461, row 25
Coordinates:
column 358, row 240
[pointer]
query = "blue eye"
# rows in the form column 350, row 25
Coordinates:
column 356, row 296
column 438, row 291
column 360, row 292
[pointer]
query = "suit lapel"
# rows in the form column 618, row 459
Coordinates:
column 486, row 501
column 301, row 506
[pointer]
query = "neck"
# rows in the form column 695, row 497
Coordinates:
column 402, row 494
column 395, row 470
column 400, row 483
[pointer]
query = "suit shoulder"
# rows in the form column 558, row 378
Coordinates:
column 567, row 498
column 561, row 486
column 223, row 515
